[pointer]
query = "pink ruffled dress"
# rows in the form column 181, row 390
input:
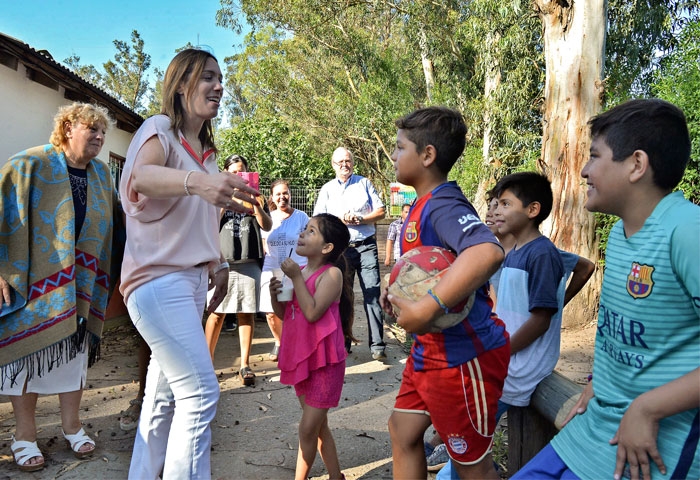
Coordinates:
column 307, row 346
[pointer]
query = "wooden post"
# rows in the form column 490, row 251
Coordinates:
column 528, row 433
column 531, row 428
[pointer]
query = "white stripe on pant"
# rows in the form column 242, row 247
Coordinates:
column 174, row 432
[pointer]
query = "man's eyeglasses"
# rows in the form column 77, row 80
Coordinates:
column 343, row 162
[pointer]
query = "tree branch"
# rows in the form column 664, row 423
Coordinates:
column 381, row 144
column 351, row 82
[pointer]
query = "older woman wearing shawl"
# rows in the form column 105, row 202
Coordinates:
column 55, row 247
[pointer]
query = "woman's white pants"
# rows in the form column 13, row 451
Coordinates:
column 174, row 433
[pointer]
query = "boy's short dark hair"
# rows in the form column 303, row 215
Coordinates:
column 528, row 187
column 490, row 195
column 653, row 125
column 441, row 127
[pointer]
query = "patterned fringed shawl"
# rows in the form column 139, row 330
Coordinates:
column 59, row 286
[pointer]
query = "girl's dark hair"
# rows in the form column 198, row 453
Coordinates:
column 231, row 159
column 336, row 232
column 279, row 181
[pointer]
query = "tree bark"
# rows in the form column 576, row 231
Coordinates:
column 574, row 40
column 427, row 63
column 492, row 80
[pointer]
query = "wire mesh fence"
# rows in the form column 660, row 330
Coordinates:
column 302, row 197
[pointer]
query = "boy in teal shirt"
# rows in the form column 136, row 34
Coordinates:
column 638, row 417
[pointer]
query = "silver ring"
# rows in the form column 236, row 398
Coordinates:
column 228, row 204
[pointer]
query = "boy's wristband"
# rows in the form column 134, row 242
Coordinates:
column 440, row 303
column 590, row 377
column 220, row 267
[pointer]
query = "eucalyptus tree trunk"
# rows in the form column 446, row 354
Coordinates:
column 492, row 80
column 427, row 63
column 574, row 40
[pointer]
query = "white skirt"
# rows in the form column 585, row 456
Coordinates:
column 68, row 377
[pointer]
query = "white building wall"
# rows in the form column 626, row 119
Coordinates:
column 28, row 109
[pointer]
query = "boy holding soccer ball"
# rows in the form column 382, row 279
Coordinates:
column 454, row 377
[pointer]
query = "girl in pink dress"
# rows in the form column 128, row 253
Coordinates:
column 316, row 322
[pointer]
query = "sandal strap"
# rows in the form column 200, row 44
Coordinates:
column 78, row 439
column 30, row 450
column 129, row 418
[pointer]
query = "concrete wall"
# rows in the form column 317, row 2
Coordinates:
column 28, row 109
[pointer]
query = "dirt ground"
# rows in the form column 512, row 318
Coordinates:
column 254, row 432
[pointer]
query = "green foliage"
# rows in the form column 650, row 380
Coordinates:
column 125, row 77
column 155, row 94
column 500, row 449
column 275, row 151
column 339, row 80
column 507, row 38
column 638, row 32
column 604, row 224
column 86, row 72
column 678, row 81
column 342, row 73
column 469, row 170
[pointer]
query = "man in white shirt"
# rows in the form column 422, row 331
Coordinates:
column 354, row 200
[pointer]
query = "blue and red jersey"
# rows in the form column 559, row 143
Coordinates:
column 445, row 218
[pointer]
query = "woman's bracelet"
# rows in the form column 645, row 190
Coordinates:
column 440, row 303
column 220, row 267
column 187, row 177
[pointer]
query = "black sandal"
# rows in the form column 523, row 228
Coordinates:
column 247, row 376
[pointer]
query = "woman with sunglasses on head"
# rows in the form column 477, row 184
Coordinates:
column 241, row 244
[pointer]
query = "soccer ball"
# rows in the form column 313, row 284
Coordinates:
column 419, row 270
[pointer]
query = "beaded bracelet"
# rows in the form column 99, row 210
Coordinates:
column 187, row 177
column 220, row 267
column 440, row 303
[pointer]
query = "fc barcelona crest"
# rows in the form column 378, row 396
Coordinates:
column 411, row 234
column 639, row 281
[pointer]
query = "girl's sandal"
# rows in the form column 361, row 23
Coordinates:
column 275, row 353
column 24, row 451
column 247, row 376
column 77, row 440
column 129, row 418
